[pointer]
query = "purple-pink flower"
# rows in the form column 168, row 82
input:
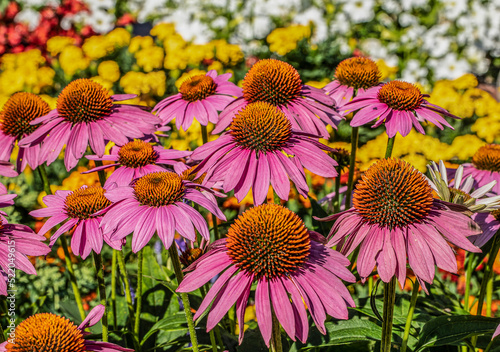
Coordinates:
column 278, row 83
column 293, row 271
column 394, row 218
column 87, row 115
column 7, row 169
column 261, row 148
column 199, row 96
column 153, row 203
column 485, row 167
column 398, row 105
column 81, row 211
column 6, row 200
column 135, row 159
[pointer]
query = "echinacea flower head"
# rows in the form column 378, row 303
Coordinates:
column 485, row 167
column 394, row 218
column 398, row 105
column 269, row 245
column 278, row 83
column 353, row 76
column 26, row 243
column 50, row 332
column 252, row 155
column 15, row 118
column 86, row 114
column 153, row 203
column 135, row 159
column 81, row 211
column 199, row 96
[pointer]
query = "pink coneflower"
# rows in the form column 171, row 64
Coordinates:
column 136, row 159
column 199, row 96
column 21, row 241
column 485, row 167
column 7, row 169
column 395, row 217
column 50, row 332
column 278, row 83
column 15, row 118
column 251, row 154
column 353, row 75
column 155, row 203
column 82, row 212
column 269, row 245
column 6, row 200
column 398, row 104
column 86, row 115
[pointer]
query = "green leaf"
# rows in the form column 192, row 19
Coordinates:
column 454, row 329
column 318, row 211
column 171, row 323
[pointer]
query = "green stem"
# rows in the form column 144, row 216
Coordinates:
column 489, row 294
column 102, row 292
column 64, row 245
column 2, row 333
column 113, row 288
column 389, row 299
column 174, row 256
column 336, row 199
column 390, row 146
column 138, row 293
column 352, row 165
column 468, row 275
column 100, row 173
column 276, row 345
column 370, row 285
column 128, row 296
column 204, row 134
column 211, row 332
column 409, row 318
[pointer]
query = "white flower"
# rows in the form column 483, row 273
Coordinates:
column 359, row 11
column 449, row 67
column 454, row 8
column 414, row 72
column 313, row 14
column 29, row 17
column 100, row 21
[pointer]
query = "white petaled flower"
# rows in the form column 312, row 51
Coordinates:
column 458, row 191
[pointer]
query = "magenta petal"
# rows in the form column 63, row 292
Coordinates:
column 261, row 183
column 144, row 229
column 212, row 265
column 282, row 307
column 263, row 310
column 93, row 318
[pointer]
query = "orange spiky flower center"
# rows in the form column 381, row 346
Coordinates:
column 496, row 214
column 159, row 189
column 84, row 100
column 261, row 127
column 190, row 175
column 399, row 95
column 137, row 154
column 49, row 333
column 197, row 88
column 358, row 72
column 268, row 240
column 19, row 111
column 487, row 158
column 461, row 195
column 392, row 193
column 86, row 201
column 272, row 81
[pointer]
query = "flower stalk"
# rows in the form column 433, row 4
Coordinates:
column 276, row 345
column 138, row 297
column 352, row 166
column 99, row 267
column 389, row 299
column 409, row 318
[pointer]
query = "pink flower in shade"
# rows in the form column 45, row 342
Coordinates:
column 398, row 104
column 6, row 200
column 200, row 96
column 155, row 203
column 269, row 245
column 353, row 77
column 86, row 115
column 136, row 159
column 261, row 148
column 278, row 83
column 485, row 167
column 81, row 211
column 15, row 118
column 7, row 169
column 50, row 332
column 25, row 242
column 394, row 218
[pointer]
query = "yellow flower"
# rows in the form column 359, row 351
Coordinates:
column 217, row 66
column 284, row 40
column 228, row 54
column 465, row 81
column 119, row 37
column 143, row 84
column 318, row 84
column 385, row 70
column 163, row 30
column 52, row 101
column 481, row 102
column 97, row 46
column 488, row 127
column 104, row 82
column 110, row 70
column 137, row 43
column 72, row 60
column 463, row 147
column 55, row 45
column 45, row 76
column 149, row 58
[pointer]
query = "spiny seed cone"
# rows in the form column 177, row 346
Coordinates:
column 19, row 111
column 487, row 158
column 197, row 88
column 272, row 81
column 46, row 332
column 84, row 202
column 496, row 214
column 462, row 197
column 399, row 95
column 190, row 175
column 392, row 193
column 84, row 100
column 137, row 154
column 261, row 127
column 268, row 240
column 358, row 72
column 158, row 189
